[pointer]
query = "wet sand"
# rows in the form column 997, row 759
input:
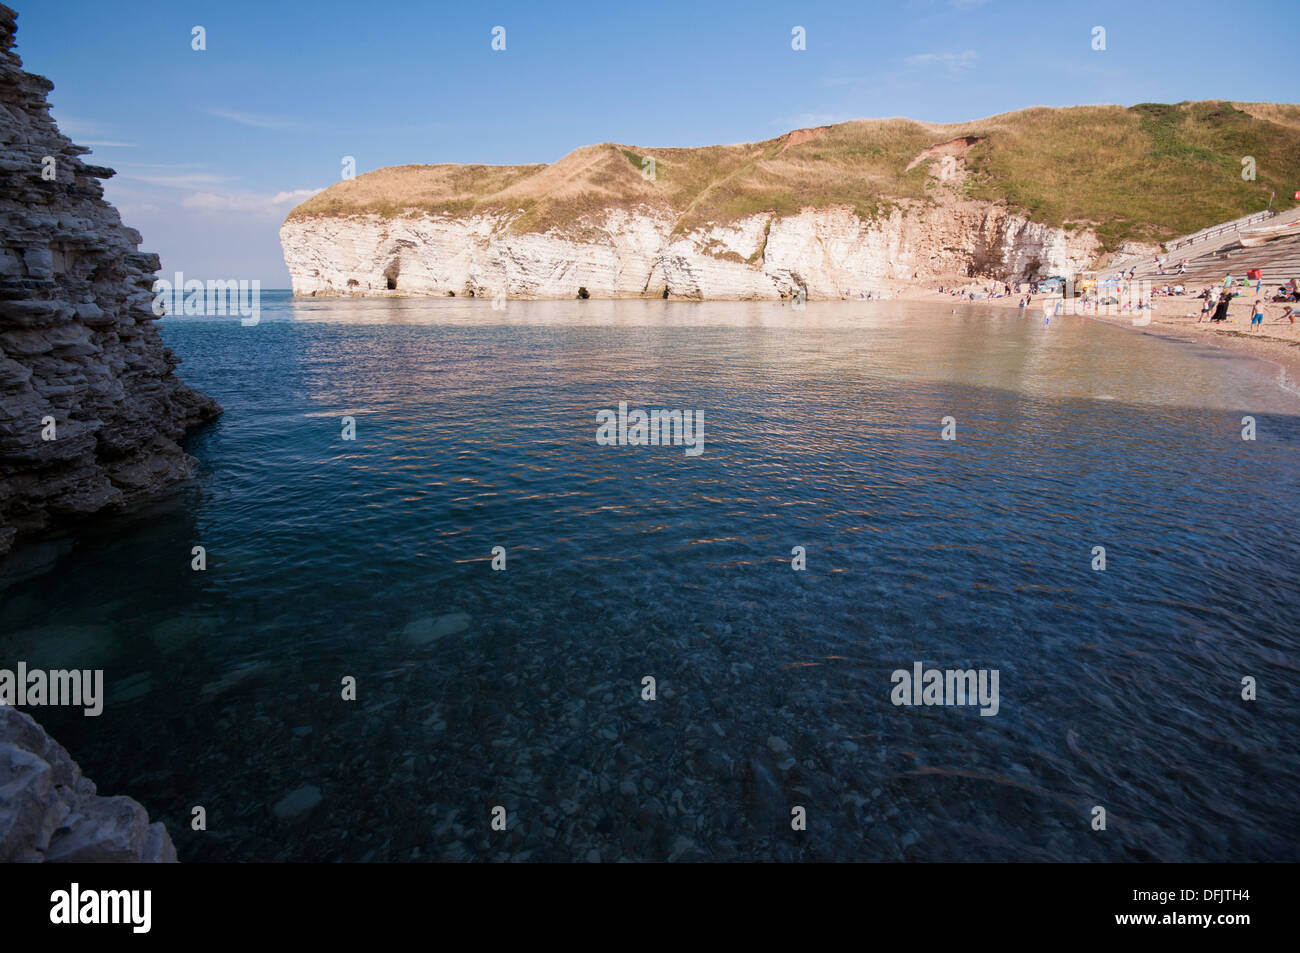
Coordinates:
column 1177, row 318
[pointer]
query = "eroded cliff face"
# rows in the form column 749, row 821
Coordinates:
column 830, row 253
column 90, row 410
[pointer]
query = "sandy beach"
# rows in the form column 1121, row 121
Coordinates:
column 1177, row 317
column 1174, row 317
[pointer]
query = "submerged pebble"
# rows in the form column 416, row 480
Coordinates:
column 429, row 630
column 297, row 802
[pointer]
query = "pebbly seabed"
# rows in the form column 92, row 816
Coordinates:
column 352, row 677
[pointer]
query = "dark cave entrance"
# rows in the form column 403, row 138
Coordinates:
column 390, row 274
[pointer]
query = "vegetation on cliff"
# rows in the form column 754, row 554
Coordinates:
column 1147, row 172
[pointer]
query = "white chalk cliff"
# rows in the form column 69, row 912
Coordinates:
column 833, row 212
column 830, row 253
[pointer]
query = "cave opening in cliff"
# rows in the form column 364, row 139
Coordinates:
column 390, row 275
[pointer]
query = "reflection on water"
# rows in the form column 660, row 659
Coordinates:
column 992, row 347
column 476, row 428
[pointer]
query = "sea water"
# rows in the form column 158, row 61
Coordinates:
column 497, row 586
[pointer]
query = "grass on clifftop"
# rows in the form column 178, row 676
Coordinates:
column 1149, row 172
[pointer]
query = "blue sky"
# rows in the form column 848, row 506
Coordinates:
column 213, row 148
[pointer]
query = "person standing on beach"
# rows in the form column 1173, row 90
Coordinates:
column 1257, row 314
column 1221, row 309
column 1207, row 310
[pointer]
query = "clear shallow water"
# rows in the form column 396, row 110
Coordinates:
column 476, row 429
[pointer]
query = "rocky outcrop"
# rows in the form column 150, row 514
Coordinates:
column 90, row 410
column 50, row 813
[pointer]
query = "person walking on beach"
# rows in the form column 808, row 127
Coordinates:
column 1208, row 308
column 1257, row 314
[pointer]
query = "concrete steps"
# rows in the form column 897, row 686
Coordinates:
column 1209, row 260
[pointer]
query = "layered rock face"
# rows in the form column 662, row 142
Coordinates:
column 50, row 813
column 829, row 253
column 90, row 410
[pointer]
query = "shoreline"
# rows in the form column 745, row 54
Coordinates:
column 1282, row 350
column 1175, row 318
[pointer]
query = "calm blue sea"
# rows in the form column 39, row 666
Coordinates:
column 476, row 688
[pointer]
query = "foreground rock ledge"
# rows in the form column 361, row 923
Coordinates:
column 77, row 335
column 50, row 813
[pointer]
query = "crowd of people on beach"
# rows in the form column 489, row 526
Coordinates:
column 1218, row 300
column 1120, row 292
column 996, row 289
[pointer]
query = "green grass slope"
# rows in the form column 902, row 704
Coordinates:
column 1148, row 172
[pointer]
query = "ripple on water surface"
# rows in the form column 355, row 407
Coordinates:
column 474, row 429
